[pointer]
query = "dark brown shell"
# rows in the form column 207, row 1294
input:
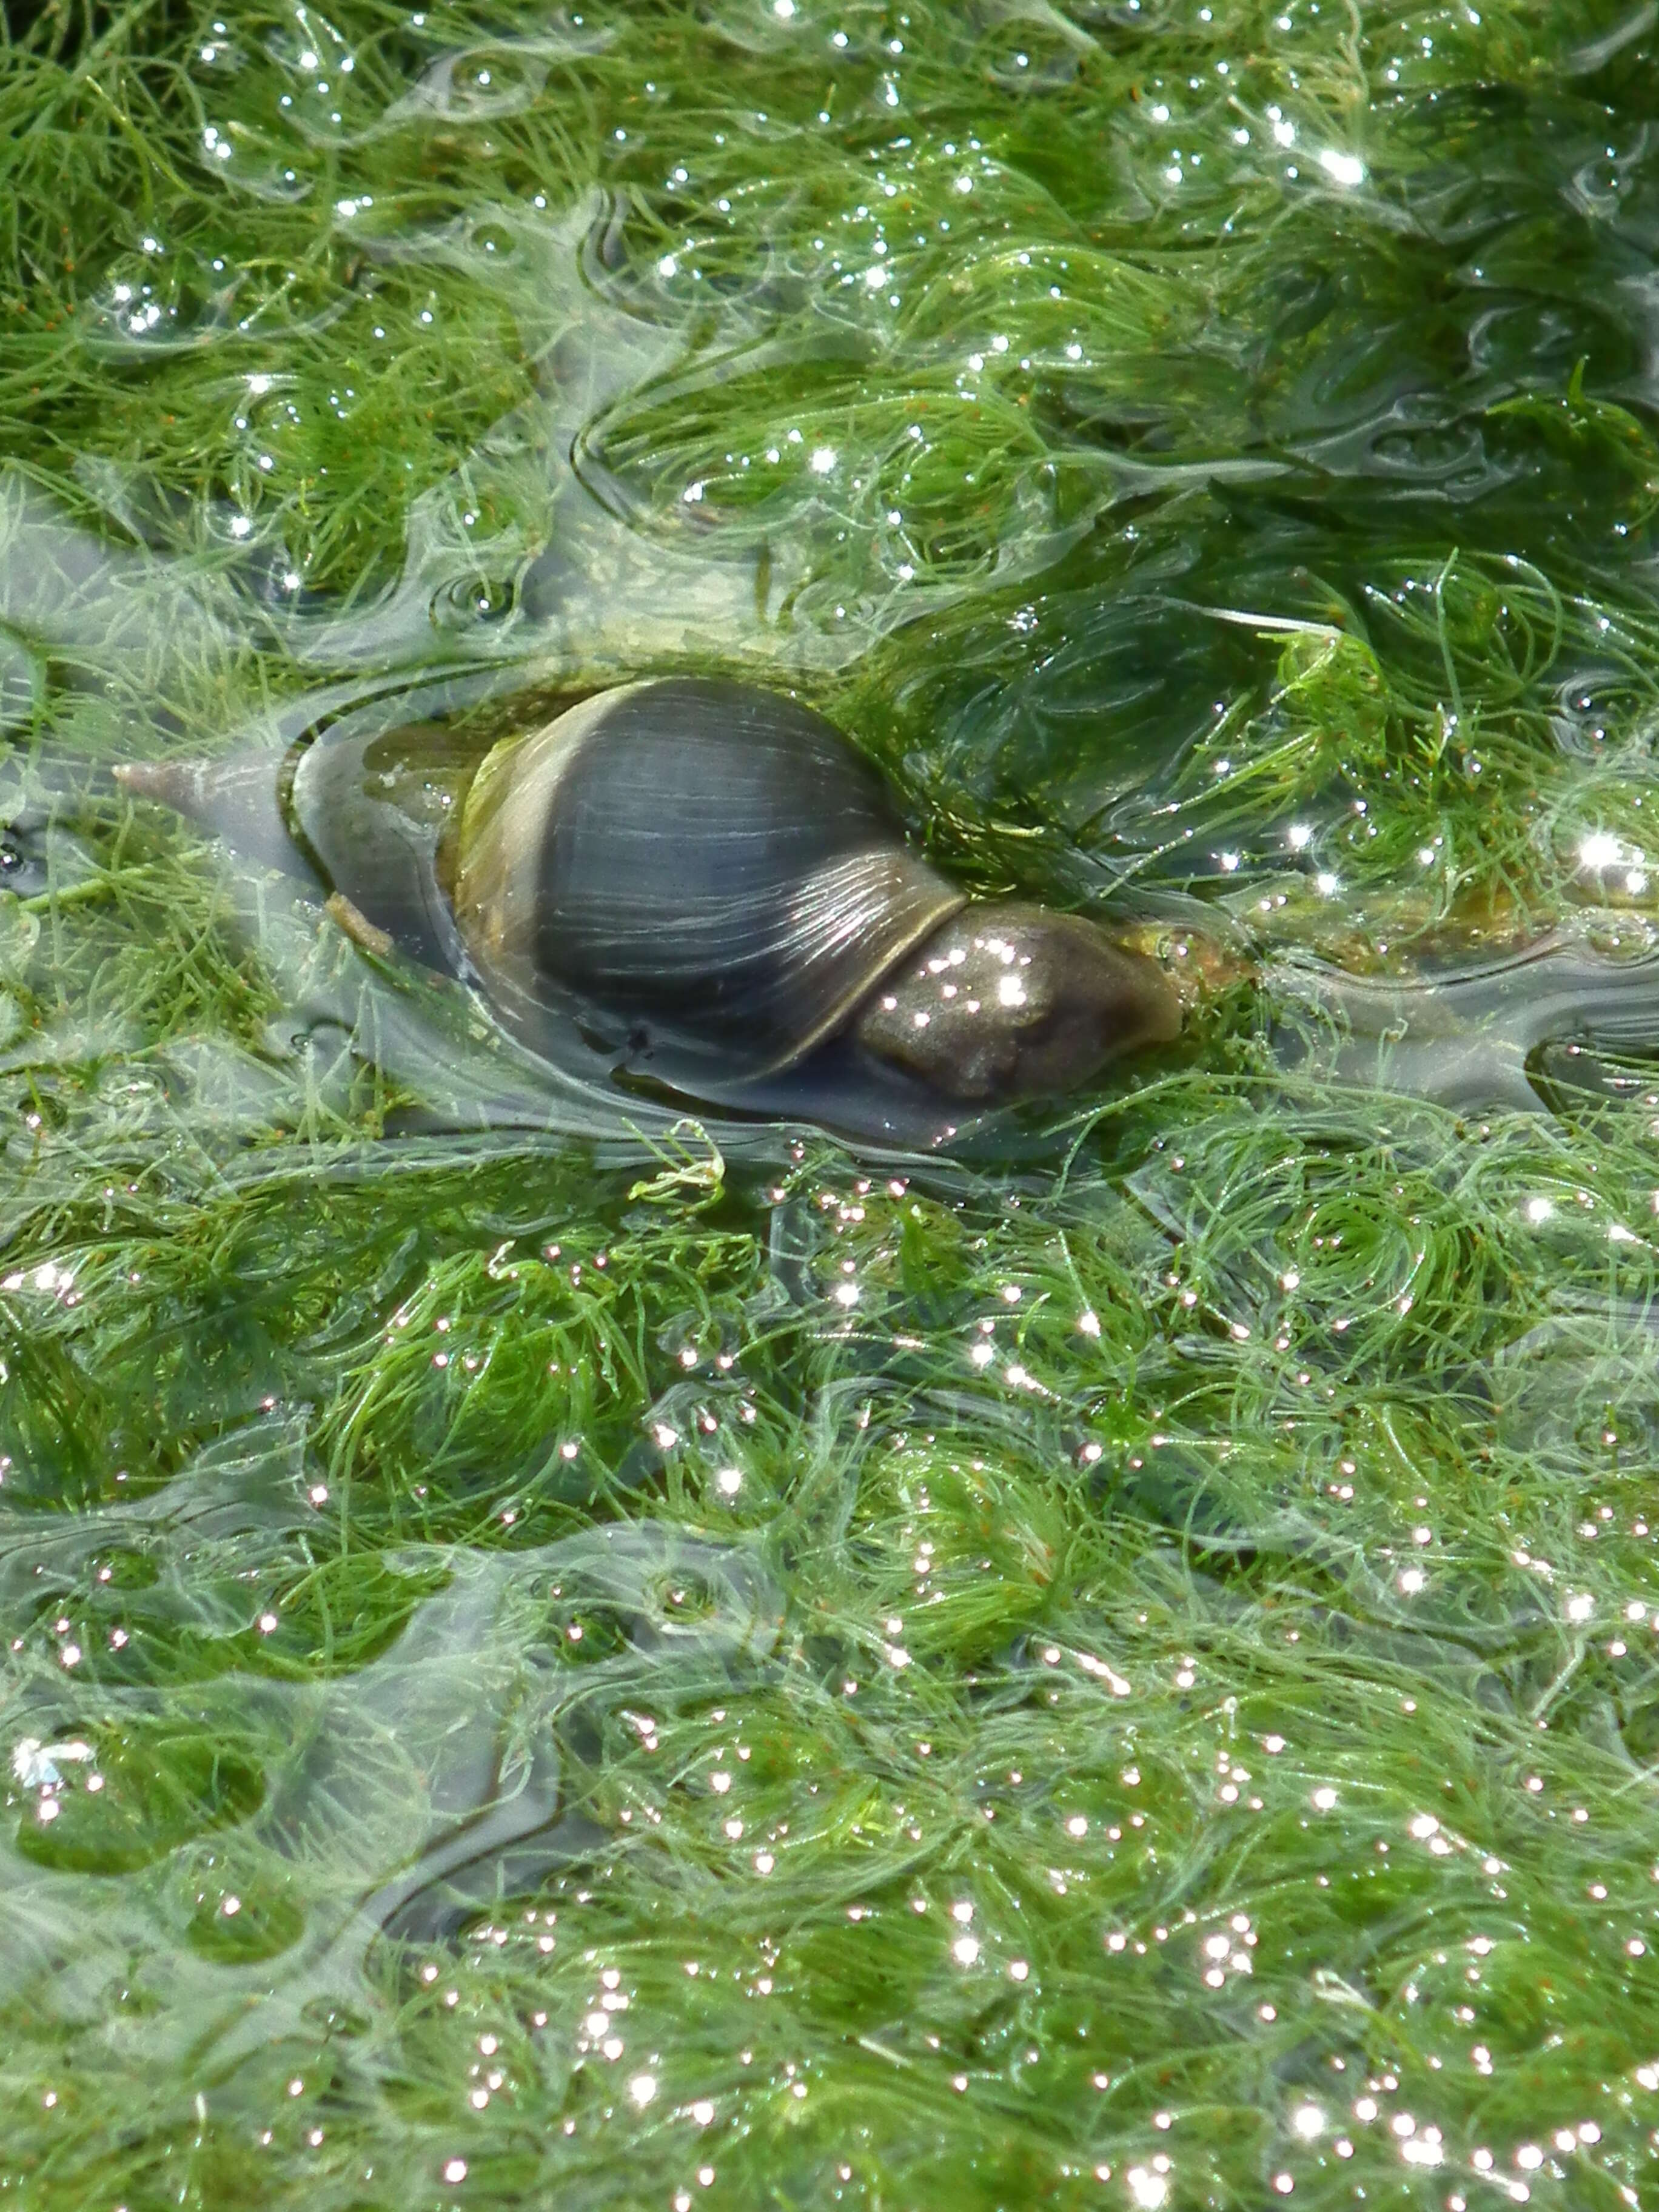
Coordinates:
column 711, row 863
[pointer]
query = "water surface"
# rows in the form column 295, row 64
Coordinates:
column 550, row 1658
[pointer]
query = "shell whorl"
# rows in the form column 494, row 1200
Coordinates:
column 714, row 864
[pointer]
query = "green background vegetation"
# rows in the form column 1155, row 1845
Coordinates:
column 1121, row 1669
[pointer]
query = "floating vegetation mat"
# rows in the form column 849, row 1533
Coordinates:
column 552, row 1661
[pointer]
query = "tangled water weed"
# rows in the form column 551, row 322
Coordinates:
column 1118, row 1669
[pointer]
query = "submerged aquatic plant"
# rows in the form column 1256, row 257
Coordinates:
column 1122, row 1668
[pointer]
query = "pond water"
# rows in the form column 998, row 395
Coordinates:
column 556, row 1656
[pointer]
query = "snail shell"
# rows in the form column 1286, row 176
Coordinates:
column 713, row 864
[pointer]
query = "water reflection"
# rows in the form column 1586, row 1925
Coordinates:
column 582, row 581
column 1469, row 1038
column 401, row 1798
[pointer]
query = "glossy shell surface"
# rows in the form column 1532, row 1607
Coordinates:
column 711, row 864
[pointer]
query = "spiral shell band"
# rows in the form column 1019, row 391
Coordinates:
column 852, row 923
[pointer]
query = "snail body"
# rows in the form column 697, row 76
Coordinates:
column 708, row 881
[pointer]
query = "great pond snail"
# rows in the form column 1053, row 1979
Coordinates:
column 710, row 882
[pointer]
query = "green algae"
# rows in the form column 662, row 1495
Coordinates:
column 1117, row 1670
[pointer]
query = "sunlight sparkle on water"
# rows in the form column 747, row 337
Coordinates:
column 1345, row 168
column 1072, row 1290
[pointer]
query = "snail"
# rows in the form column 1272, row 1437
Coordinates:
column 709, row 883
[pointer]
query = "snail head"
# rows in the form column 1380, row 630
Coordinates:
column 1009, row 1001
